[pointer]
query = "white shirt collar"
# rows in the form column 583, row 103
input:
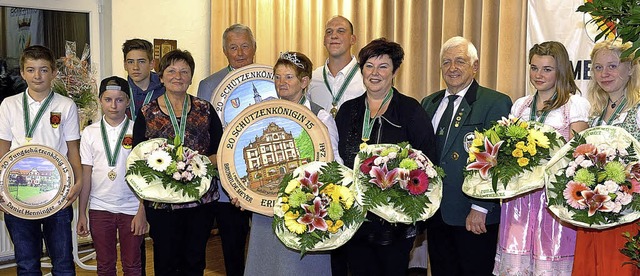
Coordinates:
column 344, row 71
column 109, row 127
column 462, row 92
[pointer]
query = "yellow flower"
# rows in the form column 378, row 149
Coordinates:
column 531, row 148
column 538, row 137
column 524, row 124
column 334, row 228
column 478, row 139
column 291, row 221
column 292, row 185
column 517, row 153
column 522, row 161
column 285, row 207
column 285, row 199
column 340, row 194
column 472, row 151
column 520, row 145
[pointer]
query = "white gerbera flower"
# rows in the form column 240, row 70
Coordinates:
column 198, row 168
column 159, row 160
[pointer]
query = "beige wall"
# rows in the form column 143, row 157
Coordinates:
column 186, row 21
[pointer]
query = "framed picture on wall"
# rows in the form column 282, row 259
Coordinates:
column 160, row 48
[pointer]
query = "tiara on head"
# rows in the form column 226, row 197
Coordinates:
column 293, row 58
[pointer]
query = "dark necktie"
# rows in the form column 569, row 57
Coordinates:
column 445, row 122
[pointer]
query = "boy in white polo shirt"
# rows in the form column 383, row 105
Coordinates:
column 114, row 210
column 31, row 118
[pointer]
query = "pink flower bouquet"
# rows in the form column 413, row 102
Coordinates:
column 596, row 179
column 509, row 158
column 397, row 183
column 316, row 209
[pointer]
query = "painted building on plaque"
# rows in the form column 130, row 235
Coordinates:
column 270, row 157
column 46, row 180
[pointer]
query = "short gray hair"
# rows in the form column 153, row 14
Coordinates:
column 237, row 28
column 456, row 41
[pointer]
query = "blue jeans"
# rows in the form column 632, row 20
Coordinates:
column 27, row 235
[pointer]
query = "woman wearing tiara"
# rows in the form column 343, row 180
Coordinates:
column 266, row 254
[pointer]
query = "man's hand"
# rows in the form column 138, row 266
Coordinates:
column 139, row 223
column 82, row 228
column 74, row 192
column 476, row 222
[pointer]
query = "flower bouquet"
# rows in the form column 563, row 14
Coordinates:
column 316, row 209
column 75, row 80
column 161, row 172
column 509, row 158
column 417, row 195
column 594, row 179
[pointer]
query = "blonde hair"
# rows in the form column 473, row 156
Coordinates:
column 597, row 96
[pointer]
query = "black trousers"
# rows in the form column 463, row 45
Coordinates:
column 233, row 227
column 180, row 239
column 455, row 251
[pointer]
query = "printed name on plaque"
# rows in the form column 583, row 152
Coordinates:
column 265, row 142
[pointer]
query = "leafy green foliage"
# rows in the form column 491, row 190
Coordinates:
column 620, row 18
column 330, row 173
column 631, row 249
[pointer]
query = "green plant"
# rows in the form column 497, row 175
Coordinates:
column 618, row 17
column 631, row 248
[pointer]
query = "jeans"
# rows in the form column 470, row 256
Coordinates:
column 27, row 236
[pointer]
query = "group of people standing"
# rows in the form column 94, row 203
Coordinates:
column 356, row 100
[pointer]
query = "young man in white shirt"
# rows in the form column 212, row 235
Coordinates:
column 39, row 101
column 339, row 79
column 115, row 213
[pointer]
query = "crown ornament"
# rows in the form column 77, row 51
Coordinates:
column 293, row 58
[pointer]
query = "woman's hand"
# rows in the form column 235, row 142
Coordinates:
column 235, row 202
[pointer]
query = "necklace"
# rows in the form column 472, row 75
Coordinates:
column 613, row 104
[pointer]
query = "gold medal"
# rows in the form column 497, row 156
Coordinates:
column 334, row 111
column 112, row 175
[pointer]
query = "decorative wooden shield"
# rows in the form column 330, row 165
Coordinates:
column 265, row 142
column 34, row 181
column 242, row 88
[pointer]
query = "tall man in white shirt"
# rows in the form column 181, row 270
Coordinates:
column 239, row 46
column 339, row 79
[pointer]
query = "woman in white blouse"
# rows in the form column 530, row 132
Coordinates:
column 531, row 241
column 614, row 91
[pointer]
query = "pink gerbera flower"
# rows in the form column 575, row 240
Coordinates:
column 367, row 164
column 573, row 194
column 584, row 149
column 418, row 182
